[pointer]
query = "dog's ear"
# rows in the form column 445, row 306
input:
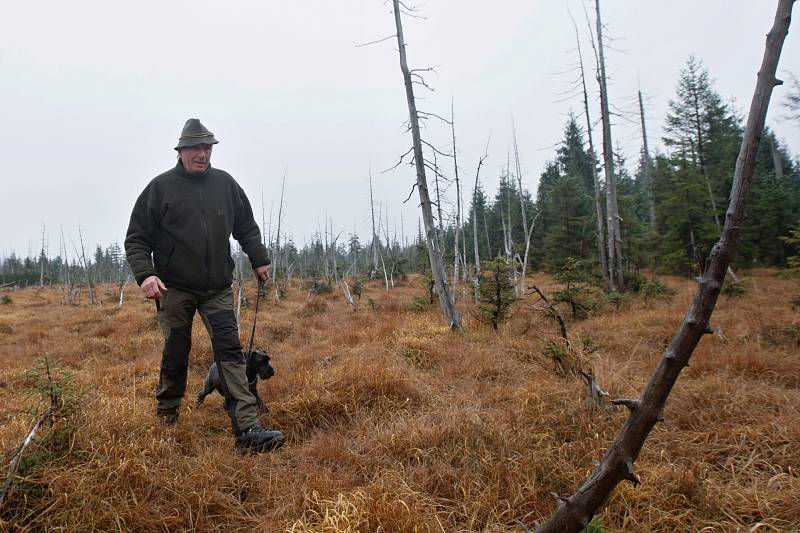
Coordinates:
column 263, row 353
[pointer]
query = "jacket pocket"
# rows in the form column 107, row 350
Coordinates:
column 163, row 256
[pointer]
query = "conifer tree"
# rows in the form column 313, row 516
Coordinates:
column 496, row 292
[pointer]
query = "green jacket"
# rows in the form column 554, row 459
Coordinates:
column 180, row 230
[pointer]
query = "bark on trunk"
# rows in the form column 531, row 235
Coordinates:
column 601, row 250
column 457, row 244
column 276, row 252
column 434, row 253
column 476, row 273
column 522, row 288
column 648, row 168
column 575, row 512
column 612, row 209
column 375, row 243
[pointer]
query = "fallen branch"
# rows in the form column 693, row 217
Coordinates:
column 12, row 467
column 553, row 313
column 55, row 403
column 574, row 513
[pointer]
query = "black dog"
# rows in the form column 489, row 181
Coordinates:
column 257, row 367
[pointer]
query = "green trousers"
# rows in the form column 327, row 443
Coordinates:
column 175, row 315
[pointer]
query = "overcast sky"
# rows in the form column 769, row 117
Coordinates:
column 93, row 95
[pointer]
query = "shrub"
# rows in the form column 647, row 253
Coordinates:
column 653, row 288
column 793, row 241
column 576, row 293
column 357, row 288
column 782, row 334
column 320, row 287
column 618, row 299
column 420, row 305
column 53, row 387
column 496, row 292
column 735, row 289
column 6, row 299
column 595, row 526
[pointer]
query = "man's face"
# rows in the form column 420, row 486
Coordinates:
column 196, row 158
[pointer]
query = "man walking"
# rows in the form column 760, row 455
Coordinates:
column 178, row 247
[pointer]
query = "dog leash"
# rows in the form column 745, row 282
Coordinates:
column 255, row 314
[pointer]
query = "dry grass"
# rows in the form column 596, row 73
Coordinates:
column 395, row 424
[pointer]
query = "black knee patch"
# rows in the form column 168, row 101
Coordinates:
column 175, row 357
column 225, row 337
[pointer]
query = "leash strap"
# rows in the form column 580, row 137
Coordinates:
column 255, row 314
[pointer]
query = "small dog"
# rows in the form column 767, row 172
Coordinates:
column 257, row 367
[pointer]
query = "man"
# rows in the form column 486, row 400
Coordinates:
column 178, row 247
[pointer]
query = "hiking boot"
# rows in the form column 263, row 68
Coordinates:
column 168, row 417
column 258, row 439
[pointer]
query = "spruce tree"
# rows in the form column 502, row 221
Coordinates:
column 496, row 293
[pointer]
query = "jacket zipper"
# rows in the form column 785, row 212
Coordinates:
column 205, row 232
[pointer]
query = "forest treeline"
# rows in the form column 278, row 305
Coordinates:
column 671, row 206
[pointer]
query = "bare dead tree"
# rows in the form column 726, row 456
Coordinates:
column 388, row 277
column 42, row 258
column 341, row 282
column 434, row 252
column 522, row 289
column 122, row 286
column 477, row 271
column 574, row 513
column 69, row 287
column 375, row 240
column 648, row 167
column 600, row 226
column 614, row 242
column 277, row 248
column 486, row 231
column 440, row 220
column 89, row 285
column 456, row 245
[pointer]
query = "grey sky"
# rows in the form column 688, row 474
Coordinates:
column 93, row 95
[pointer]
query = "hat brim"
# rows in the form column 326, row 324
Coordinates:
column 194, row 141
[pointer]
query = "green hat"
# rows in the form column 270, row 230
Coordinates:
column 195, row 133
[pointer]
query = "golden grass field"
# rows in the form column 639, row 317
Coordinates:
column 393, row 423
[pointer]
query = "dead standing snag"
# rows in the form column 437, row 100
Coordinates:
column 575, row 512
column 434, row 252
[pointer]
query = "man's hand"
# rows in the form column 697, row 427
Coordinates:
column 153, row 288
column 263, row 273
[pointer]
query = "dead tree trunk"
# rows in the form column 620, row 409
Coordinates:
column 486, row 231
column 374, row 233
column 612, row 210
column 69, row 289
column 648, row 168
column 122, row 287
column 89, row 286
column 575, row 512
column 601, row 231
column 507, row 228
column 42, row 258
column 457, row 243
column 276, row 251
column 477, row 271
column 434, row 252
column 522, row 288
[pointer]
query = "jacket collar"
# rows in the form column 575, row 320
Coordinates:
column 179, row 168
